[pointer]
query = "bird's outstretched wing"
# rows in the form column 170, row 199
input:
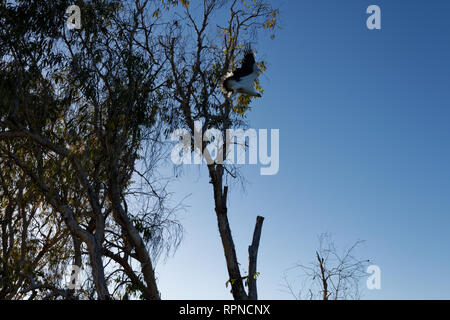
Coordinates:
column 247, row 68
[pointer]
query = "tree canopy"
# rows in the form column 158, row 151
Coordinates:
column 83, row 117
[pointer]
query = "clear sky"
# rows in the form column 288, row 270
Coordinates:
column 364, row 154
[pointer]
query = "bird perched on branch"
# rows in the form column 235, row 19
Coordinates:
column 242, row 80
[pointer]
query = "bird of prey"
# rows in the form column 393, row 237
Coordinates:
column 242, row 80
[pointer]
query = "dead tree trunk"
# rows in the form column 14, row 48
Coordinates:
column 252, row 258
column 235, row 277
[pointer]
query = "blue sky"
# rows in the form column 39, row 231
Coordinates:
column 364, row 154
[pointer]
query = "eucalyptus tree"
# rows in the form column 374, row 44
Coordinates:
column 34, row 244
column 80, row 107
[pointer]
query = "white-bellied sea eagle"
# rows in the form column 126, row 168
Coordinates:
column 242, row 80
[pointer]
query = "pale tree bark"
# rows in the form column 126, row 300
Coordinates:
column 122, row 218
